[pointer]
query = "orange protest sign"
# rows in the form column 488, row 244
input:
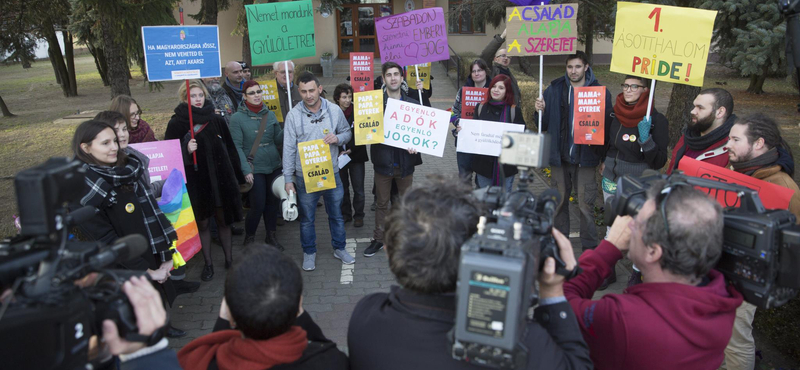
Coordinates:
column 589, row 115
column 470, row 97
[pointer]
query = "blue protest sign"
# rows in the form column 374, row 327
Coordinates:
column 181, row 52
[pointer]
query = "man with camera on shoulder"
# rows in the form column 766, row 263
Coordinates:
column 408, row 327
column 681, row 316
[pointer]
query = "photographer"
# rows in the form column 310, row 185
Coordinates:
column 681, row 316
column 407, row 327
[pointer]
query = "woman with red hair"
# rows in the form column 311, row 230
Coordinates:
column 498, row 107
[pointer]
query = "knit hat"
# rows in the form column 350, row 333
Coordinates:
column 248, row 84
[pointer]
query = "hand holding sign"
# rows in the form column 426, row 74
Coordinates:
column 415, row 126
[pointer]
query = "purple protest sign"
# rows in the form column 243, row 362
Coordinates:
column 530, row 2
column 164, row 156
column 415, row 37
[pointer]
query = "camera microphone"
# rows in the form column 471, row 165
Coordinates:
column 81, row 215
column 122, row 250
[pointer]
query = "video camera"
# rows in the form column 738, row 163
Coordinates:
column 761, row 248
column 501, row 262
column 47, row 321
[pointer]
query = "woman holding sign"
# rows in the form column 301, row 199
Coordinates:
column 479, row 77
column 214, row 186
column 498, row 107
column 255, row 125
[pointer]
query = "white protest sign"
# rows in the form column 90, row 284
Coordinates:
column 483, row 137
column 415, row 126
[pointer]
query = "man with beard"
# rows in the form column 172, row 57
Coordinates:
column 222, row 102
column 234, row 78
column 501, row 61
column 706, row 135
column 246, row 73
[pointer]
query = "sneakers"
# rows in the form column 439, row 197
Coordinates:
column 208, row 273
column 309, row 262
column 359, row 222
column 342, row 254
column 373, row 248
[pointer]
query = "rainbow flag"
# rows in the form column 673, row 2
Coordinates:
column 176, row 206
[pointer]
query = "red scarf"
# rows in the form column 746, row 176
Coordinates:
column 232, row 351
column 254, row 108
column 630, row 115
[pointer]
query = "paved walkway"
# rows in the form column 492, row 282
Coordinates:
column 332, row 290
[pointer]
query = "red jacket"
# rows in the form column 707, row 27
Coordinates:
column 715, row 154
column 652, row 325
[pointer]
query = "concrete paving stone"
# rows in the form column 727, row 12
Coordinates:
column 365, row 284
column 208, row 324
column 334, row 299
column 318, row 307
column 204, row 316
column 194, row 308
column 349, row 291
column 186, row 325
column 311, row 299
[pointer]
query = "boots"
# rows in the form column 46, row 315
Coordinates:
column 272, row 240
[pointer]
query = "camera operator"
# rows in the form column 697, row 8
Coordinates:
column 681, row 315
column 407, row 327
column 753, row 148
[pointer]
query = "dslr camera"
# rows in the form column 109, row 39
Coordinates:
column 501, row 262
column 46, row 320
column 761, row 248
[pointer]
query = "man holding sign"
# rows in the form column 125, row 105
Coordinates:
column 315, row 119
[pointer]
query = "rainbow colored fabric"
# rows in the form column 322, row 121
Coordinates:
column 176, row 206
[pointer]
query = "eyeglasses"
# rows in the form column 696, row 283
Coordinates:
column 502, row 56
column 136, row 114
column 257, row 92
column 634, row 87
column 478, row 71
column 284, row 72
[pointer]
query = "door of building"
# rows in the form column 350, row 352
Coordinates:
column 356, row 28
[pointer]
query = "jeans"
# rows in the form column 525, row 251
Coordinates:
column 383, row 191
column 483, row 182
column 582, row 179
column 353, row 173
column 307, row 203
column 262, row 203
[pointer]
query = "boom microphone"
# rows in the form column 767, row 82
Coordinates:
column 122, row 250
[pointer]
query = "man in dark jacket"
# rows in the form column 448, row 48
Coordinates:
column 572, row 165
column 285, row 77
column 681, row 316
column 500, row 62
column 234, row 78
column 391, row 164
column 407, row 327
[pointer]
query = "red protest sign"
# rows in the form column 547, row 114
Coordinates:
column 361, row 71
column 772, row 196
column 470, row 97
column 590, row 115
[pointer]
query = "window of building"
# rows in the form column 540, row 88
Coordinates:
column 463, row 23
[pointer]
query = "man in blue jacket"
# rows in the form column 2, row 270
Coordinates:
column 572, row 166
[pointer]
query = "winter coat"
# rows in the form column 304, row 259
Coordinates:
column 283, row 97
column 216, row 182
column 775, row 175
column 623, row 157
column 391, row 161
column 716, row 153
column 358, row 153
column 488, row 56
column 486, row 165
column 244, row 129
column 559, row 101
column 651, row 325
column 457, row 105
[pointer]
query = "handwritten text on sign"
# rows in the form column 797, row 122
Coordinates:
column 590, row 115
column 772, row 196
column 415, row 126
column 281, row 31
column 470, row 97
column 666, row 43
column 414, row 37
column 483, row 137
column 270, row 97
column 181, row 52
column 542, row 29
column 362, row 71
column 315, row 159
column 368, row 117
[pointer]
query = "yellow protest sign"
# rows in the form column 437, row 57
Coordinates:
column 315, row 160
column 270, row 97
column 424, row 75
column 665, row 43
column 542, row 29
column 368, row 117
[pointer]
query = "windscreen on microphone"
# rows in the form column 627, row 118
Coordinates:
column 81, row 215
column 122, row 250
column 550, row 194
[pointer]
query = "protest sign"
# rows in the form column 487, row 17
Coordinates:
column 542, row 29
column 317, row 165
column 470, row 97
column 368, row 117
column 165, row 156
column 483, row 137
column 772, row 196
column 415, row 126
column 362, row 71
column 270, row 97
column 414, row 37
column 424, row 75
column 666, row 43
column 177, row 207
column 589, row 123
column 181, row 52
column 281, row 31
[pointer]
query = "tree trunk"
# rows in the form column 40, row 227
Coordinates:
column 678, row 113
column 588, row 35
column 70, row 55
column 116, row 58
column 52, row 58
column 246, row 57
column 210, row 11
column 757, row 82
column 101, row 68
column 58, row 59
column 4, row 109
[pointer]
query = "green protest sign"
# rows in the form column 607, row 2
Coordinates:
column 281, row 31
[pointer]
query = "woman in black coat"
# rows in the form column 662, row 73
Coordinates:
column 498, row 107
column 214, row 187
column 354, row 172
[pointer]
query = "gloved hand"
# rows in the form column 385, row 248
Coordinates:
column 644, row 129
